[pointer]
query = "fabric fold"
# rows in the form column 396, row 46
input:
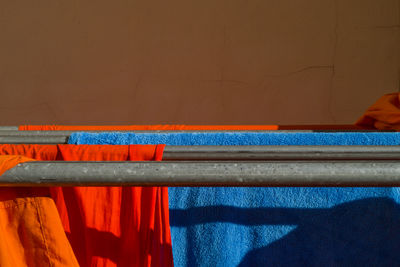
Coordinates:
column 8, row 162
column 32, row 234
column 384, row 114
column 107, row 226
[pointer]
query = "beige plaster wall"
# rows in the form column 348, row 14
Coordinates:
column 195, row 62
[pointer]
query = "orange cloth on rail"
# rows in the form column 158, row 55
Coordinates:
column 185, row 127
column 7, row 162
column 33, row 152
column 37, row 152
column 109, row 226
column 115, row 226
column 31, row 230
column 384, row 114
column 145, row 127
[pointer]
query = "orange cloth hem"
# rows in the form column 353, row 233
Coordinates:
column 184, row 127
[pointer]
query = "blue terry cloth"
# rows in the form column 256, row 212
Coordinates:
column 242, row 138
column 227, row 226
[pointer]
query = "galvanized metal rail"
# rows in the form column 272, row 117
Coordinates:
column 67, row 133
column 213, row 165
column 268, row 153
column 61, row 137
column 289, row 173
column 8, row 128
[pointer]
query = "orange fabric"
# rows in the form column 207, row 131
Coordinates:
column 32, row 234
column 144, row 127
column 7, row 162
column 110, row 226
column 185, row 127
column 384, row 114
column 31, row 230
column 37, row 152
column 33, row 152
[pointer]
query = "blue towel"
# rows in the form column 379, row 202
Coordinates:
column 226, row 226
column 242, row 138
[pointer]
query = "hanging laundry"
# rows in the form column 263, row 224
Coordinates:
column 146, row 127
column 31, row 230
column 7, row 162
column 239, row 138
column 186, row 127
column 14, row 154
column 32, row 234
column 384, row 114
column 278, row 226
column 37, row 152
column 256, row 226
column 109, row 226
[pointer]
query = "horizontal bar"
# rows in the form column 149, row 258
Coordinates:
column 34, row 139
column 202, row 153
column 61, row 137
column 312, row 173
column 281, row 153
column 311, row 127
column 9, row 128
column 6, row 133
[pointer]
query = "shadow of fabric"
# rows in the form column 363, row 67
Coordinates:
column 364, row 232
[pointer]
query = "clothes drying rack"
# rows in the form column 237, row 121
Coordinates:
column 212, row 165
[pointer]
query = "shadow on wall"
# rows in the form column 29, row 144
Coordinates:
column 359, row 233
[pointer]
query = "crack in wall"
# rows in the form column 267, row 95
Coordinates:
column 333, row 60
column 331, row 67
column 287, row 74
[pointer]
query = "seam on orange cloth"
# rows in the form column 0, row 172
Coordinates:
column 42, row 230
column 6, row 204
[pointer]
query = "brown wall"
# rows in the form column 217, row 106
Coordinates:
column 195, row 62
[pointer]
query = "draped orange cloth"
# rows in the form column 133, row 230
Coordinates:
column 31, row 230
column 144, row 127
column 185, row 127
column 32, row 234
column 7, row 162
column 106, row 226
column 84, row 196
column 384, row 114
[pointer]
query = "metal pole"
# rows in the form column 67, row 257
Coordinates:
column 61, row 137
column 52, row 139
column 201, row 153
column 333, row 173
column 204, row 153
column 8, row 128
column 6, row 133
